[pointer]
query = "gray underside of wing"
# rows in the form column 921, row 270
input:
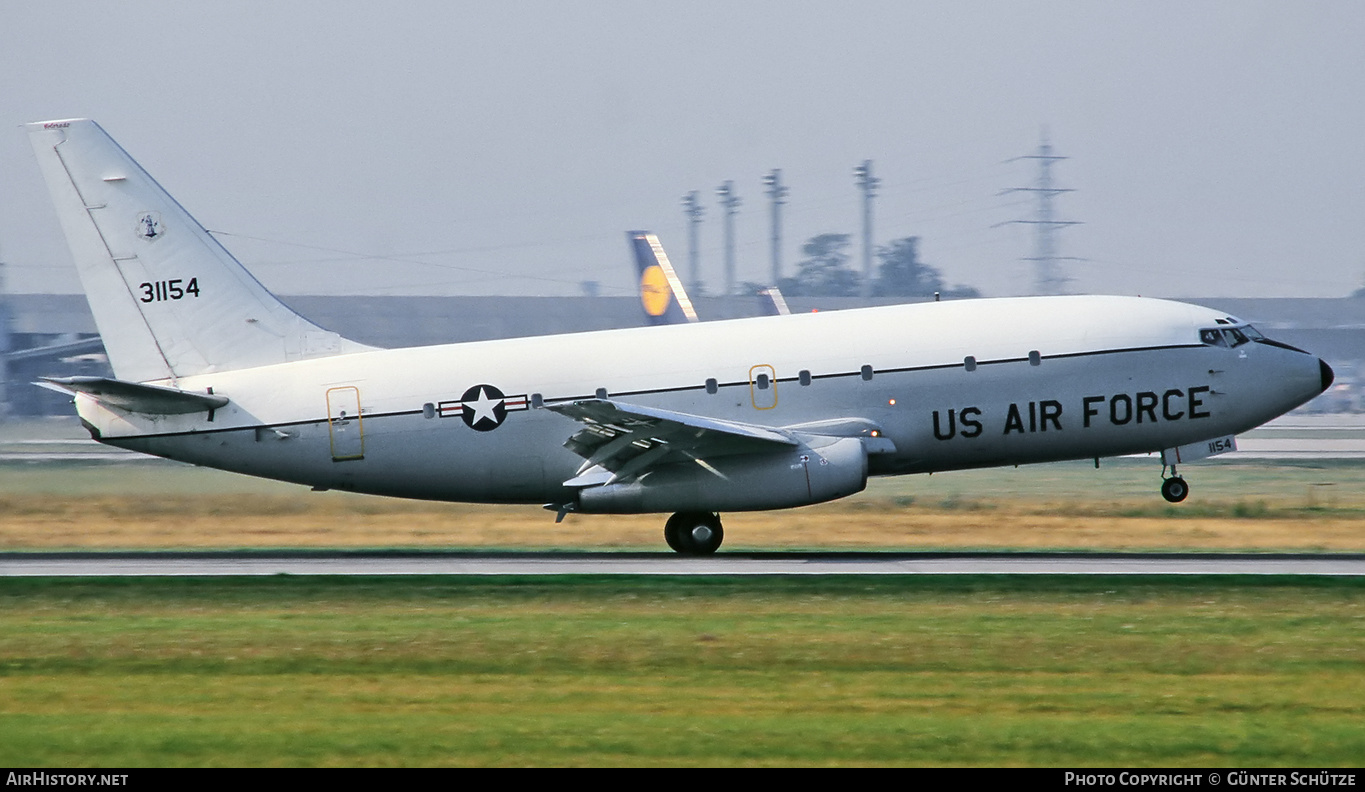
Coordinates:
column 622, row 441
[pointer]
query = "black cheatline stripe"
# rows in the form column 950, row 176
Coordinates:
column 683, row 388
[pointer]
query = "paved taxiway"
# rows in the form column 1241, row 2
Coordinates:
column 735, row 563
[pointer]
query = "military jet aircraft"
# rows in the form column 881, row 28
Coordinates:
column 697, row 418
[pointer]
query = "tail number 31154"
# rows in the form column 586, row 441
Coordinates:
column 159, row 291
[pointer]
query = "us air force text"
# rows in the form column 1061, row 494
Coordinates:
column 1120, row 409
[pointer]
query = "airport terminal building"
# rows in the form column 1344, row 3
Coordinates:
column 54, row 335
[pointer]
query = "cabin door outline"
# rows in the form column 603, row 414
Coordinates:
column 345, row 426
column 763, row 386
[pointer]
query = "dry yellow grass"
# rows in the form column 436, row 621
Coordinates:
column 34, row 522
column 1286, row 507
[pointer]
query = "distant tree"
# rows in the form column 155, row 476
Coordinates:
column 902, row 274
column 824, row 272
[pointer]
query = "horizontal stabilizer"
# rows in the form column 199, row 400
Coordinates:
column 136, row 397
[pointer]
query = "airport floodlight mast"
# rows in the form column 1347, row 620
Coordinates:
column 868, row 184
column 1048, row 275
column 694, row 210
column 4, row 343
column 730, row 202
column 777, row 193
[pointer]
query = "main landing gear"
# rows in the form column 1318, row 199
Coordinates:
column 694, row 533
column 1175, row 488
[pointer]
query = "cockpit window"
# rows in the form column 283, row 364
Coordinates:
column 1229, row 336
column 1212, row 337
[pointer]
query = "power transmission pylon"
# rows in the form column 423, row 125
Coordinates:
column 1048, row 275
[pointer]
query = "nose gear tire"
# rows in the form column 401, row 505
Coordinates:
column 1174, row 489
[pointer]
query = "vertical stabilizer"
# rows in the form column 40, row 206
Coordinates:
column 168, row 299
column 661, row 291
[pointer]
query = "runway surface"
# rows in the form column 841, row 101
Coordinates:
column 736, row 563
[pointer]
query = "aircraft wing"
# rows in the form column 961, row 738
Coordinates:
column 620, row 441
column 135, row 396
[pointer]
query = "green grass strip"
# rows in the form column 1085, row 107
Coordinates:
column 613, row 670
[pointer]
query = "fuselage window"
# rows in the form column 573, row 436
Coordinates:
column 1035, row 359
column 761, row 381
column 867, row 373
column 804, row 377
column 969, row 363
column 428, row 410
column 1212, row 337
column 537, row 400
column 601, row 393
column 712, row 386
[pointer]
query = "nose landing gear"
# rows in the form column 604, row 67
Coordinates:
column 1173, row 489
column 694, row 533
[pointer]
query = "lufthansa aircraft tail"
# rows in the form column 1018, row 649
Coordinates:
column 169, row 301
column 772, row 303
column 661, row 290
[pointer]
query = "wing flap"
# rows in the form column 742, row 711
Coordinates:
column 628, row 440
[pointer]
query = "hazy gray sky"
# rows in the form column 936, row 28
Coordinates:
column 1216, row 148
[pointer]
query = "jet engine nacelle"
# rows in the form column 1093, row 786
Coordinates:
column 822, row 469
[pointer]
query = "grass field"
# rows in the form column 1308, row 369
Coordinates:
column 927, row 670
column 635, row 671
column 1285, row 507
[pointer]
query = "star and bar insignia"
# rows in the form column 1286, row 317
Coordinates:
column 483, row 407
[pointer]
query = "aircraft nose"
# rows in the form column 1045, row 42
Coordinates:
column 1327, row 374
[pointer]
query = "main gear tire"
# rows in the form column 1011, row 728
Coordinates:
column 694, row 533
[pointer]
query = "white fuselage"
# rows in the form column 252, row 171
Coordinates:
column 1108, row 376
